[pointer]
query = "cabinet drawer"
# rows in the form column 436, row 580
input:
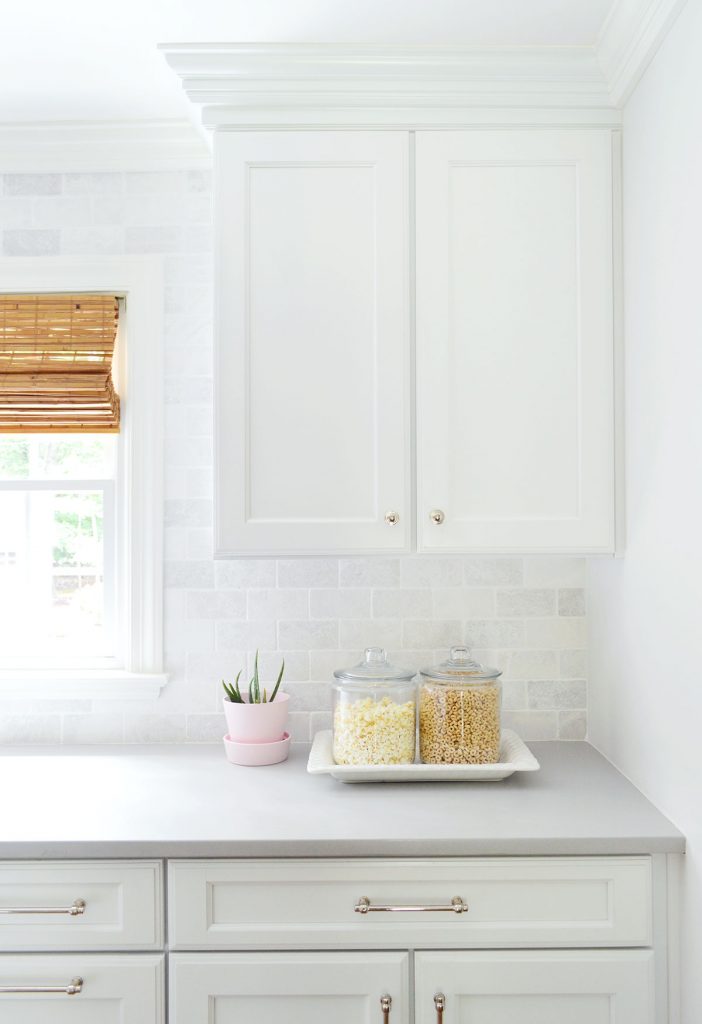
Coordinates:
column 57, row 905
column 80, row 988
column 535, row 901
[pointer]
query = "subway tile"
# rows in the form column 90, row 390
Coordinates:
column 557, row 694
column 555, row 633
column 93, row 183
column 431, row 571
column 323, row 664
column 463, row 603
column 164, row 238
column 155, row 182
column 244, row 636
column 350, row 603
column 369, row 572
column 554, row 571
column 532, row 665
column 428, row 633
column 240, row 573
column 357, row 634
column 154, row 728
column 33, row 184
column 216, row 604
column 494, row 633
column 189, row 574
column 493, row 572
column 572, row 725
column 188, row 512
column 308, row 572
column 31, row 242
column 526, row 603
column 573, row 665
column 15, row 213
column 308, row 636
column 97, row 241
column 299, row 726
column 20, row 729
column 309, row 696
column 200, row 544
column 205, row 728
column 61, row 211
column 402, row 603
column 532, row 725
column 571, row 601
column 95, row 727
column 277, row 604
column 297, row 666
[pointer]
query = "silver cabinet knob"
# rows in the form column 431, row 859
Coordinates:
column 392, row 518
column 437, row 516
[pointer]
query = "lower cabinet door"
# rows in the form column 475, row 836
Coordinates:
column 289, row 988
column 78, row 988
column 578, row 987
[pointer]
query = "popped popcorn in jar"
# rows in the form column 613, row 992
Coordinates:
column 374, row 712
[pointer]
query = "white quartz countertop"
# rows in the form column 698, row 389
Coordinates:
column 188, row 801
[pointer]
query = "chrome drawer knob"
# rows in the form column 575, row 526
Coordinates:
column 392, row 518
column 437, row 516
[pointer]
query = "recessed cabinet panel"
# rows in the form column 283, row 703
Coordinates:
column 515, row 341
column 535, row 988
column 312, row 379
column 294, row 988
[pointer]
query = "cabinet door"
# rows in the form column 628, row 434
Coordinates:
column 515, row 341
column 312, row 342
column 535, row 988
column 73, row 988
column 297, row 988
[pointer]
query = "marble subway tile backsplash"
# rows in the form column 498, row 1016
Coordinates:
column 526, row 615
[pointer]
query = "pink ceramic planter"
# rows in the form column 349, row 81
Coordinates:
column 253, row 754
column 257, row 723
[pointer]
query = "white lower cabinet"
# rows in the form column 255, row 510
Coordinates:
column 79, row 988
column 524, row 987
column 289, row 988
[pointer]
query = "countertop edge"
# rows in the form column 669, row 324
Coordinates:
column 203, row 849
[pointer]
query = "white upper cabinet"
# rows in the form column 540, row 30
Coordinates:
column 313, row 353
column 515, row 435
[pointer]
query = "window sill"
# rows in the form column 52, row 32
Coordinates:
column 80, row 684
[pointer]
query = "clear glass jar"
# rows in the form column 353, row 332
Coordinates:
column 375, row 707
column 459, row 711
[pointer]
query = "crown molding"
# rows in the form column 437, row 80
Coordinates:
column 260, row 84
column 629, row 40
column 89, row 146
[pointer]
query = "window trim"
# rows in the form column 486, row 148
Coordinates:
column 139, row 540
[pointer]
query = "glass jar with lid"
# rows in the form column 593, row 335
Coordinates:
column 374, row 712
column 459, row 711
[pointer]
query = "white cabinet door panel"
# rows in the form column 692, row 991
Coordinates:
column 515, row 340
column 121, row 989
column 294, row 988
column 312, row 342
column 536, row 988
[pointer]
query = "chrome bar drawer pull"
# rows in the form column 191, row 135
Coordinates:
column 440, row 1004
column 74, row 989
column 456, row 906
column 385, row 1004
column 75, row 910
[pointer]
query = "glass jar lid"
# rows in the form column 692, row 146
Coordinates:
column 375, row 668
column 459, row 666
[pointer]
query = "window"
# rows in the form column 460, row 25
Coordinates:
column 81, row 505
column 57, row 527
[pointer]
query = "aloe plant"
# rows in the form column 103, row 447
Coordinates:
column 256, row 694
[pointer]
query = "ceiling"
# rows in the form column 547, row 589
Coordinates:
column 69, row 61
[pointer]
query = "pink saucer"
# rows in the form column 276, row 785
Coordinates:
column 251, row 754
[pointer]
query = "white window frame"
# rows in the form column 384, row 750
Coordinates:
column 139, row 528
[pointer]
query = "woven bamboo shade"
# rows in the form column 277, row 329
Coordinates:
column 56, row 356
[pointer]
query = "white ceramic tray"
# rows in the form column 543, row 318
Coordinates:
column 515, row 756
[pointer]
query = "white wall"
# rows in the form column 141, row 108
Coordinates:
column 645, row 611
column 527, row 615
